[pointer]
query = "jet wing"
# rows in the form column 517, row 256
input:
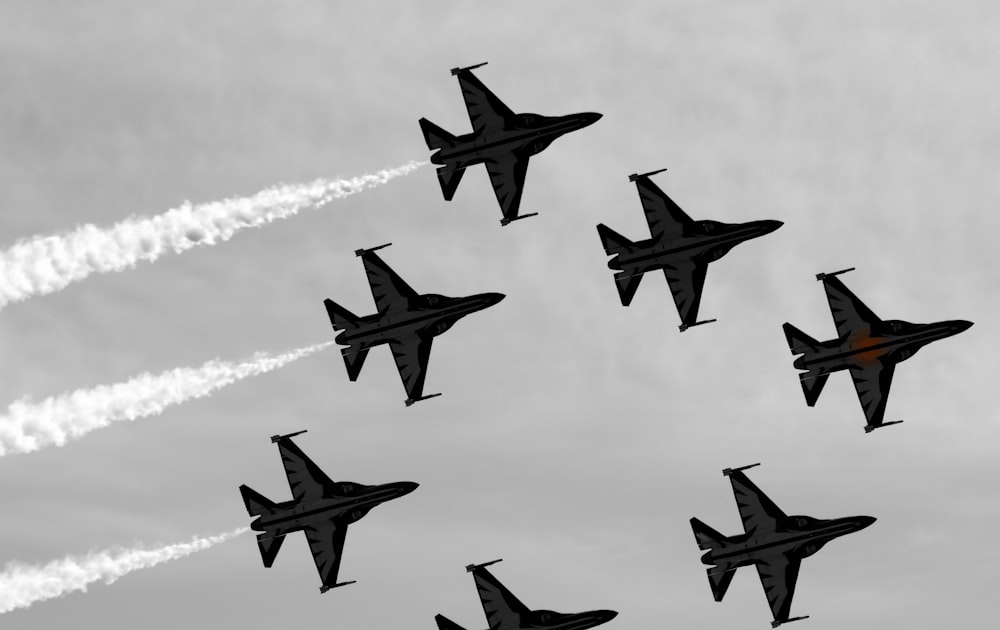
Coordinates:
column 850, row 314
column 503, row 610
column 758, row 511
column 486, row 111
column 686, row 282
column 389, row 290
column 507, row 176
column 665, row 218
column 411, row 353
column 326, row 542
column 778, row 575
column 872, row 384
column 305, row 478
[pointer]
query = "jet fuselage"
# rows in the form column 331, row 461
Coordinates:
column 709, row 242
column 893, row 341
column 357, row 500
column 530, row 134
column 800, row 537
column 432, row 315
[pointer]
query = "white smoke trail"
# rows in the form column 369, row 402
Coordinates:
column 45, row 264
column 22, row 585
column 28, row 426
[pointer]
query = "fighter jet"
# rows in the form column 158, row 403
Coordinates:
column 319, row 507
column 680, row 246
column 406, row 320
column 500, row 139
column 773, row 542
column 867, row 346
column 506, row 612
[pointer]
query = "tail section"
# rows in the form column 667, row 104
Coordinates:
column 614, row 243
column 798, row 341
column 434, row 136
column 340, row 317
column 719, row 577
column 256, row 503
column 706, row 537
column 269, row 547
column 812, row 387
column 449, row 179
column 446, row 624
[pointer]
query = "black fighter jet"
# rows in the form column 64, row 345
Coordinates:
column 773, row 542
column 320, row 508
column 500, row 139
column 406, row 320
column 866, row 345
column 506, row 612
column 680, row 246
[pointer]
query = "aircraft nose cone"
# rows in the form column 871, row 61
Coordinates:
column 607, row 615
column 588, row 118
column 865, row 521
column 770, row 226
column 960, row 325
column 406, row 487
column 493, row 298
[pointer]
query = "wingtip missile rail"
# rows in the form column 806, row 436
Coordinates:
column 363, row 251
column 684, row 327
column 506, row 221
column 823, row 276
column 871, row 427
column 728, row 471
column 635, row 176
column 276, row 438
column 455, row 71
column 326, row 588
column 472, row 567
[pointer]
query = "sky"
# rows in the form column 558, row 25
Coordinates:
column 575, row 438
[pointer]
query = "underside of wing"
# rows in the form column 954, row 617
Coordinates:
column 411, row 354
column 389, row 290
column 326, row 542
column 850, row 314
column 758, row 511
column 507, row 177
column 503, row 610
column 486, row 111
column 686, row 282
column 305, row 478
column 778, row 575
column 665, row 218
column 872, row 383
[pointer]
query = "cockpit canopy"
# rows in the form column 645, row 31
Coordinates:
column 434, row 299
column 803, row 521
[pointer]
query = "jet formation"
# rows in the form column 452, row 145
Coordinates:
column 320, row 508
column 773, row 542
column 679, row 245
column 866, row 345
column 504, row 611
column 406, row 320
column 500, row 139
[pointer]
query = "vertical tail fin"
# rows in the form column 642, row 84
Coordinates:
column 446, row 624
column 255, row 502
column 449, row 179
column 340, row 317
column 614, row 243
column 798, row 341
column 269, row 547
column 434, row 136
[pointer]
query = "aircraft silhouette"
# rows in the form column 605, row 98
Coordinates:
column 500, row 139
column 405, row 320
column 773, row 542
column 680, row 246
column 506, row 612
column 867, row 346
column 320, row 508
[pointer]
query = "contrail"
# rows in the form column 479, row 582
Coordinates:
column 45, row 264
column 28, row 426
column 22, row 585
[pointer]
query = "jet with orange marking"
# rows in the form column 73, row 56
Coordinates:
column 867, row 346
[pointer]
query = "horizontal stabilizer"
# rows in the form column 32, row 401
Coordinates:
column 455, row 71
column 449, row 179
column 340, row 317
column 823, row 276
column 798, row 341
column 627, row 285
column 635, row 176
column 446, row 624
column 410, row 401
column 719, row 581
column 354, row 360
column 255, row 502
column 778, row 622
column 472, row 567
column 705, row 536
column 728, row 471
column 325, row 588
column 365, row 250
column 275, row 438
column 269, row 548
column 614, row 243
column 812, row 387
column 871, row 427
column 434, row 136
column 506, row 221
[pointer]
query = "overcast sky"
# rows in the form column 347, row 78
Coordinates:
column 575, row 437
